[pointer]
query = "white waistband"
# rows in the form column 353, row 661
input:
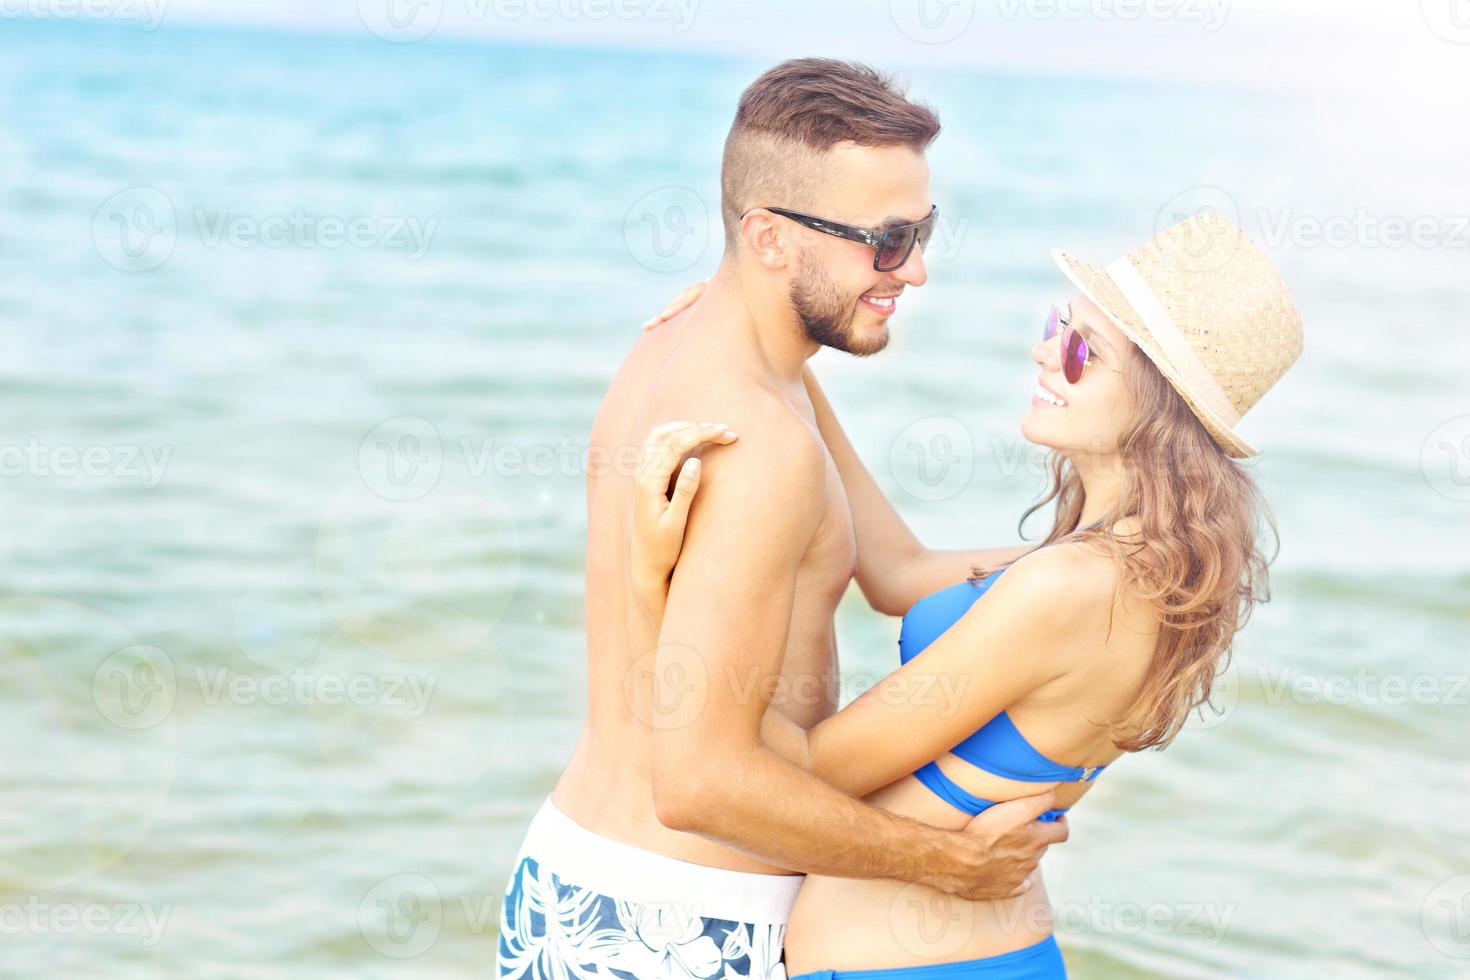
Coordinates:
column 578, row 856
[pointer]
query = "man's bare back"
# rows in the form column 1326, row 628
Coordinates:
column 689, row 370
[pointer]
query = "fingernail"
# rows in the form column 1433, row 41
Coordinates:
column 732, row 435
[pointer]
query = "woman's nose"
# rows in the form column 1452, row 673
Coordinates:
column 1047, row 353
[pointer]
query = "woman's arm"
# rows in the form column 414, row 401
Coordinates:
column 997, row 653
column 894, row 569
column 1003, row 648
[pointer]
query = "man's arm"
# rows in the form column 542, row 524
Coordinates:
column 895, row 569
column 721, row 644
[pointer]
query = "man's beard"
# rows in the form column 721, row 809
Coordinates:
column 825, row 316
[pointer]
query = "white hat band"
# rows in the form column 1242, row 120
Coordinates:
column 1192, row 371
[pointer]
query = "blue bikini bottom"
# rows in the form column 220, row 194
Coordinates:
column 1040, row 962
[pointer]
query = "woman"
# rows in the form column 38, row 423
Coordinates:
column 1096, row 643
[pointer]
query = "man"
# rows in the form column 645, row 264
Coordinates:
column 667, row 846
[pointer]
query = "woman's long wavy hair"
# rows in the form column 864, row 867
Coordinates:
column 1195, row 555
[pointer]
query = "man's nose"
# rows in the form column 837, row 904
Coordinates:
column 913, row 271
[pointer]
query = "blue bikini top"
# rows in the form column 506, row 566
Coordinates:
column 998, row 747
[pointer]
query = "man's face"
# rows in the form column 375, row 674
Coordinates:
column 841, row 300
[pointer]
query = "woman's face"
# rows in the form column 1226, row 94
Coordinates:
column 1087, row 417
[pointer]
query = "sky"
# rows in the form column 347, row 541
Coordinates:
column 1406, row 47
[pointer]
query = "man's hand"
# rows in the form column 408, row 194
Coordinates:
column 1009, row 844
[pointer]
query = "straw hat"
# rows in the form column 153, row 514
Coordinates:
column 1208, row 309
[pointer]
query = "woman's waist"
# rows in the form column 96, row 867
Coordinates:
column 855, row 924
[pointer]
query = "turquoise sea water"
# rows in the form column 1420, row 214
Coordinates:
column 301, row 340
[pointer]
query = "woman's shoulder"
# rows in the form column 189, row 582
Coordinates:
column 1085, row 571
column 1077, row 568
column 1052, row 592
column 1092, row 579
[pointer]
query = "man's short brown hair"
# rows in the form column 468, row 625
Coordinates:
column 796, row 112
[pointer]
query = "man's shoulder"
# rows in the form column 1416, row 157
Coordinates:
column 775, row 472
column 702, row 386
column 772, row 431
column 767, row 419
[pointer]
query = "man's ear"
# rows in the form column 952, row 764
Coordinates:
column 766, row 239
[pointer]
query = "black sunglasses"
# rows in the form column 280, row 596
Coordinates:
column 892, row 247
